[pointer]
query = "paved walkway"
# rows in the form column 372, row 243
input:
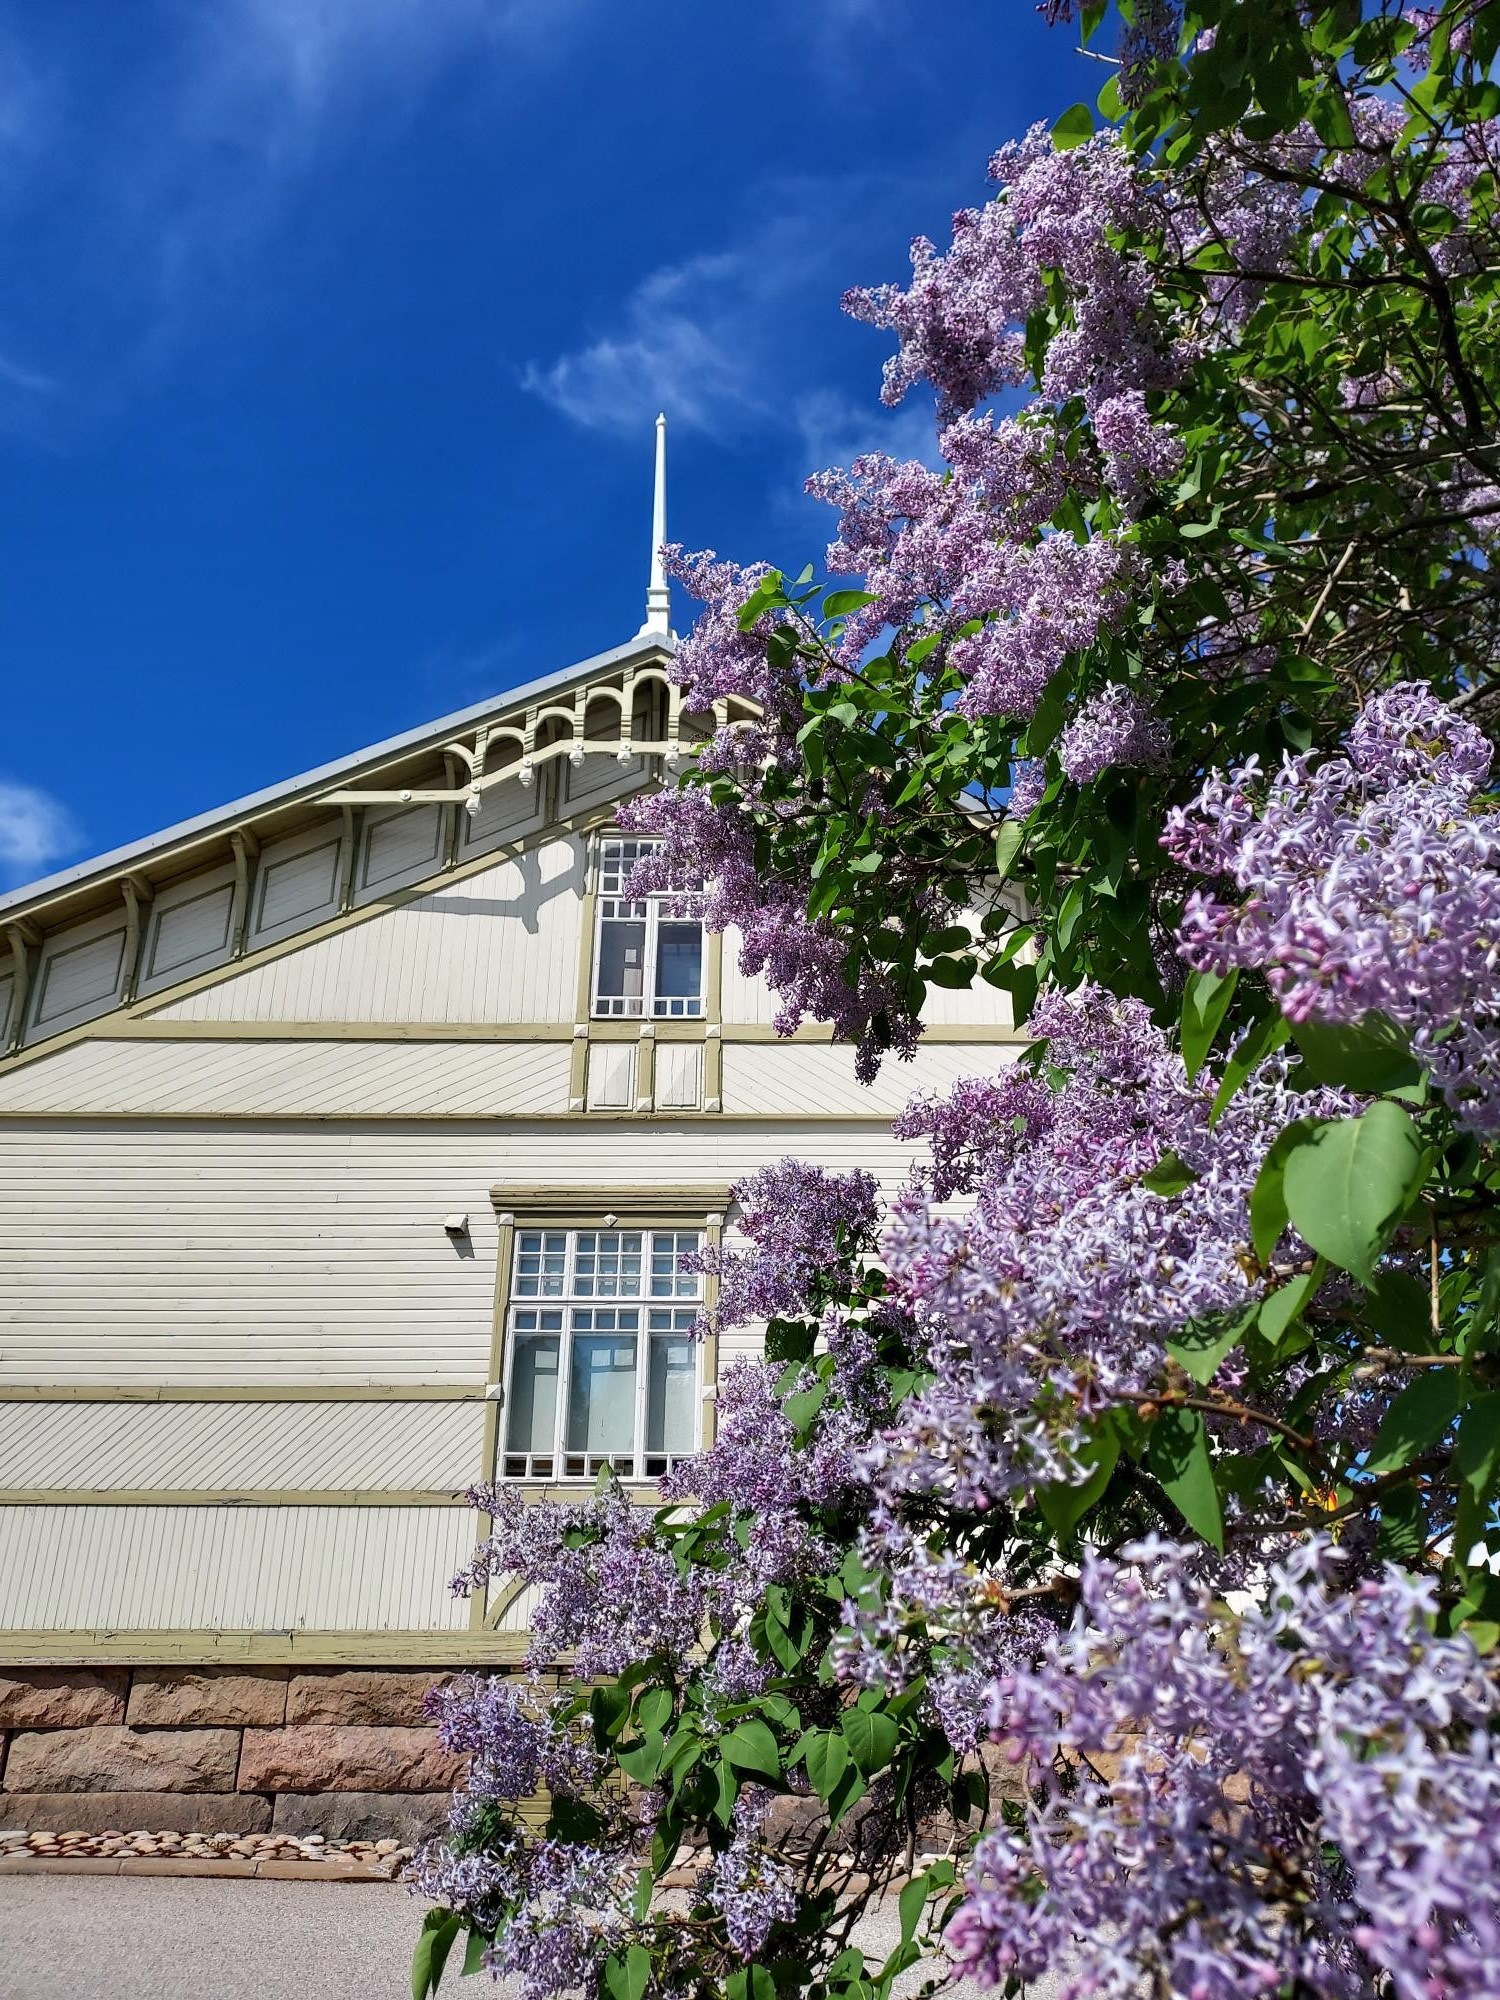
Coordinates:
column 108, row 1937
column 105, row 1938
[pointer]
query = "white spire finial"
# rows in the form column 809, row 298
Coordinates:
column 658, row 597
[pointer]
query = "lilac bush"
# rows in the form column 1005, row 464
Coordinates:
column 1103, row 1551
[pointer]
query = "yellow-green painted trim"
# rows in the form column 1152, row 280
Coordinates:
column 209, row 1496
column 115, row 1028
column 504, row 1259
column 643, row 1206
column 276, row 1392
column 271, row 1648
column 491, row 1614
column 713, row 1239
column 120, row 1027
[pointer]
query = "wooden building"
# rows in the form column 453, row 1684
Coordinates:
column 353, row 1135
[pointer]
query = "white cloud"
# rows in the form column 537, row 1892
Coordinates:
column 35, row 829
column 691, row 339
column 727, row 340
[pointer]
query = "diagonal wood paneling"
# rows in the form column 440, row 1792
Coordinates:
column 296, row 1447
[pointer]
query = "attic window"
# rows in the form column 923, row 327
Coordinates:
column 648, row 962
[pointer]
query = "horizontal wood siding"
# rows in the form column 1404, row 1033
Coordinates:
column 276, row 1078
column 751, row 1001
column 499, row 945
column 763, row 1077
column 294, row 1447
column 247, row 1568
column 193, row 1253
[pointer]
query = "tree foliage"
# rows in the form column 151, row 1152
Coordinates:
column 1172, row 1461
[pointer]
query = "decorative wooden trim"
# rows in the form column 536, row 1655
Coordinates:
column 493, row 1409
column 134, row 1030
column 22, row 940
column 638, row 1207
column 138, row 896
column 713, row 1239
column 239, row 1392
column 490, row 1616
column 208, row 1496
column 579, row 824
column 139, row 1028
column 279, row 1648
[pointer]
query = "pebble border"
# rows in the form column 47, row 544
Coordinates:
column 278, row 1857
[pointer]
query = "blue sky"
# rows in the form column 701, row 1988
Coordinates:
column 332, row 332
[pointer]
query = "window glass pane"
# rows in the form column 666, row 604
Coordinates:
column 616, row 859
column 621, row 972
column 532, row 1422
column 679, row 960
column 541, row 1263
column 669, row 1247
column 608, row 1264
column 670, row 1392
column 601, row 1395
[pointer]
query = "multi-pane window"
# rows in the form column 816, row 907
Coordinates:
column 603, row 1363
column 647, row 961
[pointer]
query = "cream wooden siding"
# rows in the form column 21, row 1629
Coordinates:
column 679, row 1076
column 599, row 779
column 189, row 929
column 506, row 812
column 302, row 1079
column 79, row 974
column 611, row 1076
column 764, row 1077
column 297, row 883
column 499, row 945
column 148, row 1252
column 399, row 844
column 174, row 1568
column 517, row 1615
column 241, row 1447
column 746, row 1001
column 751, row 1002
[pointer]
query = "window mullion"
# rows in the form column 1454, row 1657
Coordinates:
column 564, row 1392
column 648, row 998
column 642, row 1375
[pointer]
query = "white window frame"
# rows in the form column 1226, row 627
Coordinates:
column 560, row 1254
column 649, row 911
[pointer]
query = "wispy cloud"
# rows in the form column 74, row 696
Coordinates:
column 695, row 338
column 277, row 70
column 35, row 830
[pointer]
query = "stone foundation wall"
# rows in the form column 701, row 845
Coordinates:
column 342, row 1752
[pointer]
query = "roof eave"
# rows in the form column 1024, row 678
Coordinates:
column 189, row 833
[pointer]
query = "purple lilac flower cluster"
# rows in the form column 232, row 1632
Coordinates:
column 959, row 323
column 1304, row 1796
column 802, row 1220
column 1112, row 730
column 756, row 1465
column 609, row 1591
column 502, row 1724
column 1055, row 1293
column 1368, row 883
column 751, row 1889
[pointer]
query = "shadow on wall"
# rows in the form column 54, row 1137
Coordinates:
column 526, row 904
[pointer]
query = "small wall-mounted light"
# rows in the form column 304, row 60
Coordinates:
column 456, row 1225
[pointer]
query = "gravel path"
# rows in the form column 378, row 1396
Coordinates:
column 69, row 1937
